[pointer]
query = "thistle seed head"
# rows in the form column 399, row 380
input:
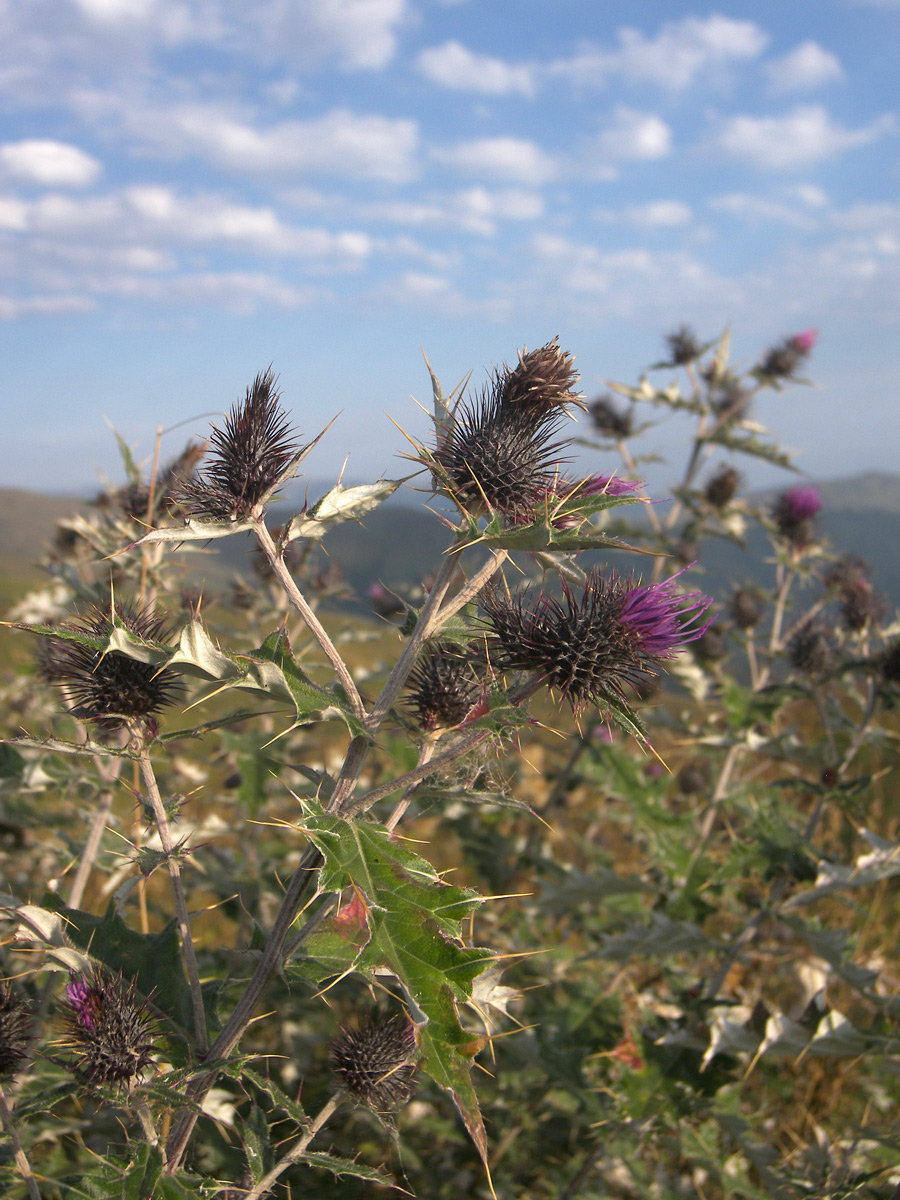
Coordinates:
column 374, row 1064
column 109, row 1031
column 110, row 689
column 249, row 453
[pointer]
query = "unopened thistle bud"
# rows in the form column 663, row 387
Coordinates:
column 589, row 647
column 860, row 605
column 15, row 1029
column 445, row 685
column 683, row 346
column 609, row 420
column 109, row 1031
column 722, row 487
column 248, row 454
column 110, row 688
column 746, row 608
column 794, row 513
column 374, row 1063
column 809, row 650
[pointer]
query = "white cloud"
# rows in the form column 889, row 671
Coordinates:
column 359, row 33
column 681, row 52
column 339, row 142
column 761, row 210
column 452, row 65
column 42, row 161
column 800, row 138
column 630, row 135
column 809, row 66
column 666, row 213
column 508, row 158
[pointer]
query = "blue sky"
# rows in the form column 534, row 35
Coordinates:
column 191, row 190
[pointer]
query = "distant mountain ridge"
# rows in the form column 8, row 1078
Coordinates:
column 400, row 544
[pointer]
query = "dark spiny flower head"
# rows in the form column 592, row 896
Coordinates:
column 589, row 647
column 110, row 689
column 783, row 360
column 445, row 685
column 374, row 1064
column 722, row 487
column 109, row 1031
column 248, row 454
column 683, row 346
column 746, row 608
column 543, row 381
column 729, row 398
column 794, row 512
column 890, row 663
column 15, row 1031
column 609, row 420
column 501, row 457
column 849, row 578
column 693, row 779
column 809, row 649
column 134, row 499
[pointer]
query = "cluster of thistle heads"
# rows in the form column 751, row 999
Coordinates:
column 109, row 1037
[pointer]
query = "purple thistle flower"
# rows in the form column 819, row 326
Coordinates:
column 565, row 491
column 589, row 647
column 107, row 1027
column 662, row 618
column 794, row 513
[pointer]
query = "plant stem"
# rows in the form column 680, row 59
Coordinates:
column 276, row 562
column 297, row 1151
column 181, row 911
column 21, row 1158
column 101, row 818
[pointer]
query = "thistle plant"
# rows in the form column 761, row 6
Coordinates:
column 290, row 877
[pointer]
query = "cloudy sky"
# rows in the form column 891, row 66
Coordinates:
column 191, row 190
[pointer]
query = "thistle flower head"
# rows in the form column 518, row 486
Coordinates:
column 683, row 346
column 110, row 689
column 860, row 605
column 15, row 1026
column 781, row 361
column 445, row 685
column 374, row 1064
column 248, row 455
column 794, row 512
column 609, row 420
column 722, row 487
column 589, row 647
column 746, row 608
column 501, row 457
column 109, row 1031
column 542, row 382
column 809, row 649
